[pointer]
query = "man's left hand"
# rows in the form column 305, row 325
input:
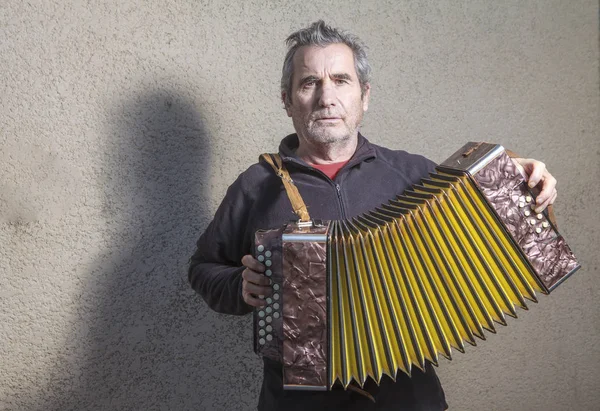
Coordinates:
column 538, row 176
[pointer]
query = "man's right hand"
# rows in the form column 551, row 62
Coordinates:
column 254, row 283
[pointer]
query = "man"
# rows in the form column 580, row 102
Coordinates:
column 325, row 90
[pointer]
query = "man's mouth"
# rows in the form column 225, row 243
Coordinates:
column 328, row 119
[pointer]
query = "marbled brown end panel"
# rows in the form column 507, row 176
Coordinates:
column 503, row 186
column 305, row 313
column 273, row 349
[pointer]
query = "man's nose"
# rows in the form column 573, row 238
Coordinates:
column 327, row 95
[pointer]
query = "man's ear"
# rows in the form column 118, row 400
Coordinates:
column 286, row 105
column 366, row 94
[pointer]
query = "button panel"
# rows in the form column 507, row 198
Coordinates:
column 268, row 319
column 538, row 221
column 272, row 310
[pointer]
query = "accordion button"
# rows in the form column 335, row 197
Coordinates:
column 269, row 300
column 276, row 314
column 545, row 224
column 261, row 313
column 276, row 296
column 269, row 309
column 269, row 319
column 269, row 337
column 528, row 199
column 269, row 328
column 261, row 323
column 521, row 205
column 267, row 254
column 276, row 287
column 261, row 258
column 276, row 306
column 261, row 341
column 261, row 333
column 539, row 216
column 538, row 230
column 268, row 273
column 260, row 248
column 527, row 212
column 521, row 199
column 268, row 263
column 532, row 222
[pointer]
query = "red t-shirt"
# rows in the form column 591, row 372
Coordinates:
column 330, row 170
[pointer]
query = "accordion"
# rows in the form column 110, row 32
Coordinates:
column 410, row 280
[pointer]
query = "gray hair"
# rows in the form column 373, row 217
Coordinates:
column 320, row 34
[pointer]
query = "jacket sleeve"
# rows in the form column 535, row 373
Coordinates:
column 215, row 270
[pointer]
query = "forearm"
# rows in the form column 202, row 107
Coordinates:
column 219, row 285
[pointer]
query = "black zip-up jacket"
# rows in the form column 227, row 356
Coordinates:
column 257, row 200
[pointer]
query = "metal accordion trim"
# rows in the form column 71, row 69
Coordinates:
column 396, row 287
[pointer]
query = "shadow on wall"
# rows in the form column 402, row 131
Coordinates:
column 144, row 338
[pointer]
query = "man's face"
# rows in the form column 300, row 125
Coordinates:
column 326, row 105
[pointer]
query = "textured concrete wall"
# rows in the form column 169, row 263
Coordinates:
column 122, row 124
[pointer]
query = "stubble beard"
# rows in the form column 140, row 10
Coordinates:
column 330, row 134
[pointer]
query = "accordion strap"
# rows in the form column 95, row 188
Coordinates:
column 274, row 160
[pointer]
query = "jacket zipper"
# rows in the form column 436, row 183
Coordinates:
column 339, row 195
column 338, row 189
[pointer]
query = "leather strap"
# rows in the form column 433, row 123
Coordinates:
column 292, row 191
column 550, row 208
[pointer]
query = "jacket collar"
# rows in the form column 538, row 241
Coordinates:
column 364, row 150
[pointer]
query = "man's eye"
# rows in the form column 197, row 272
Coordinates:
column 309, row 84
column 340, row 81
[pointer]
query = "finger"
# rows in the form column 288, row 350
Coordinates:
column 548, row 188
column 256, row 278
column 545, row 204
column 542, row 206
column 256, row 289
column 253, row 301
column 536, row 174
column 252, row 263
